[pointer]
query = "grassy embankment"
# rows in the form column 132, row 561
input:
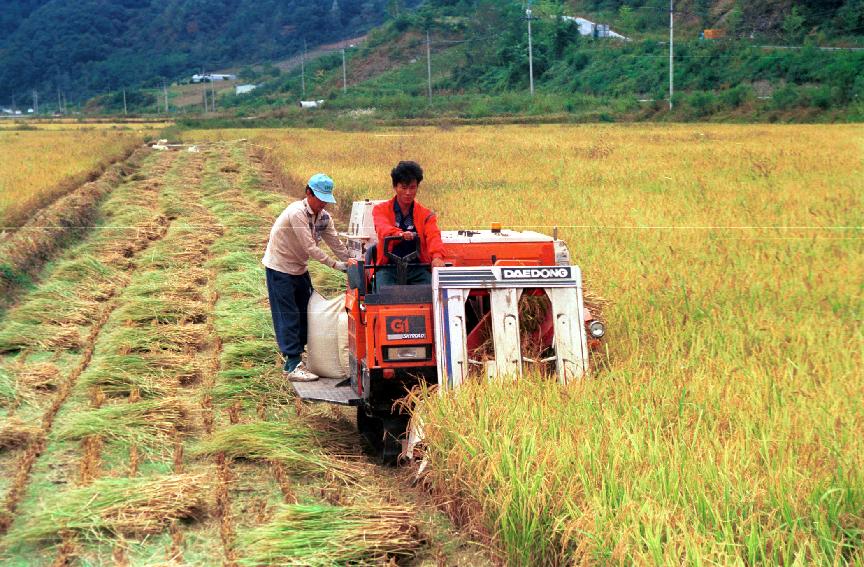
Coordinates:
column 726, row 425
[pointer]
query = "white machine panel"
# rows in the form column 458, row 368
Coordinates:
column 361, row 228
column 562, row 284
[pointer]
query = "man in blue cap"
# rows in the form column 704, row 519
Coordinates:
column 294, row 239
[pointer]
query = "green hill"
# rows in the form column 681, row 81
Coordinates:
column 92, row 46
column 767, row 65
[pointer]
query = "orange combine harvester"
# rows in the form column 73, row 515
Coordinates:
column 469, row 322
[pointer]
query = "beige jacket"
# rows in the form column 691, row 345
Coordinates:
column 295, row 237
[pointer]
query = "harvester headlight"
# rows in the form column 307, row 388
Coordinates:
column 405, row 354
column 597, row 329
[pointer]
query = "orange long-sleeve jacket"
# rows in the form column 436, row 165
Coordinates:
column 425, row 222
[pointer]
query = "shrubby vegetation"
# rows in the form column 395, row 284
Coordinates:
column 96, row 45
column 481, row 69
column 480, row 64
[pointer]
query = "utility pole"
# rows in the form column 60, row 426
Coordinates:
column 124, row 102
column 165, row 92
column 671, row 50
column 344, row 73
column 35, row 102
column 530, row 50
column 204, row 94
column 213, row 91
column 429, row 65
column 303, row 70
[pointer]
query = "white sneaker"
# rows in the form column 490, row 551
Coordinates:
column 300, row 374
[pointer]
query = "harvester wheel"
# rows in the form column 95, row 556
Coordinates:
column 369, row 426
column 383, row 433
column 394, row 432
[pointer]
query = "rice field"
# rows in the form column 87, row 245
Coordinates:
column 139, row 125
column 39, row 166
column 143, row 418
column 724, row 423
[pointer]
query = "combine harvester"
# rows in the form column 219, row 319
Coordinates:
column 466, row 324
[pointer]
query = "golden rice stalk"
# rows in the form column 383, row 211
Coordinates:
column 115, row 507
column 16, row 433
column 18, row 336
column 144, row 423
column 38, row 375
column 293, row 444
column 313, row 535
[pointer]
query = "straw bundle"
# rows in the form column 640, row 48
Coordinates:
column 16, row 433
column 150, row 339
column 150, row 309
column 38, row 375
column 248, row 283
column 16, row 336
column 248, row 353
column 169, row 285
column 116, row 506
column 253, row 384
column 58, row 303
column 8, row 388
column 144, row 423
column 84, row 268
column 313, row 535
column 293, row 444
column 595, row 303
column 151, row 375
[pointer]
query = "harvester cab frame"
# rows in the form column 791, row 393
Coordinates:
column 399, row 263
column 465, row 324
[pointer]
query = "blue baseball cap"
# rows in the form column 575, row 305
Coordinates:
column 322, row 187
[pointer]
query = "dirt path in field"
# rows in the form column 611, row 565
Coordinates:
column 143, row 365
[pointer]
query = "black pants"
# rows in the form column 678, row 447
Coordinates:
column 289, row 297
column 386, row 275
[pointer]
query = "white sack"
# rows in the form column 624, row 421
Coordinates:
column 327, row 337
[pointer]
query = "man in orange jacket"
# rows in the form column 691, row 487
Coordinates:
column 404, row 216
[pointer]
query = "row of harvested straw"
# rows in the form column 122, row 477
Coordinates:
column 24, row 252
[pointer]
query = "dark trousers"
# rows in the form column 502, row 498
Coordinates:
column 289, row 297
column 416, row 275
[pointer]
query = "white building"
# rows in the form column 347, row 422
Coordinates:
column 243, row 89
column 210, row 77
column 587, row 27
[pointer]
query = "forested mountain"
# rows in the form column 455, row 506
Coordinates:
column 772, row 60
column 89, row 47
column 86, row 46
